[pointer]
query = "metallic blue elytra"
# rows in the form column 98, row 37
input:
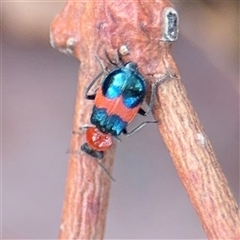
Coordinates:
column 118, row 100
column 112, row 124
column 125, row 81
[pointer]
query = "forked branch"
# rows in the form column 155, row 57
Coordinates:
column 146, row 28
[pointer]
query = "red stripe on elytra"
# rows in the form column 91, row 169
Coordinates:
column 115, row 106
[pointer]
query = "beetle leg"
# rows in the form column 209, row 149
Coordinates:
column 117, row 138
column 85, row 126
column 92, row 96
column 118, row 62
column 141, row 112
column 125, row 132
column 154, row 89
column 98, row 156
column 105, row 170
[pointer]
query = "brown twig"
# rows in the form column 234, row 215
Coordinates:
column 196, row 162
column 100, row 28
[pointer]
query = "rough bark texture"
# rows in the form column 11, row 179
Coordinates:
column 196, row 162
column 99, row 28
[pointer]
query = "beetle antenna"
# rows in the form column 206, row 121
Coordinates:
column 105, row 170
column 99, row 163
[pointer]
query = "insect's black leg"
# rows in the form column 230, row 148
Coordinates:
column 154, row 89
column 137, row 128
column 124, row 131
column 112, row 62
column 98, row 156
column 141, row 112
column 92, row 96
column 117, row 138
column 105, row 170
column 85, row 126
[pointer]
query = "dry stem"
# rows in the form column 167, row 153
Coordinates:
column 196, row 162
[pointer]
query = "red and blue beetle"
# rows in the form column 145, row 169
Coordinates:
column 116, row 102
column 120, row 96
